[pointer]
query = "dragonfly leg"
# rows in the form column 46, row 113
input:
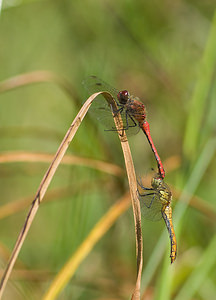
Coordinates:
column 148, row 194
column 127, row 124
column 118, row 110
column 143, row 188
column 115, row 113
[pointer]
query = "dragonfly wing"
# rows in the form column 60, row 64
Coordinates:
column 100, row 108
column 94, row 84
column 151, row 206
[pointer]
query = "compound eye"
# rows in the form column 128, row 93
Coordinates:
column 123, row 97
column 125, row 93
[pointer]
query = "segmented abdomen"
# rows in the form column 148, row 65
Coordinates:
column 167, row 216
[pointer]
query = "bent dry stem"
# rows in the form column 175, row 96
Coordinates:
column 42, row 189
column 133, row 191
column 49, row 175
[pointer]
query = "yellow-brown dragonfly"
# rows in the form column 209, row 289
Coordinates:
column 156, row 204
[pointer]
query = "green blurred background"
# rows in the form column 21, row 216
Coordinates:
column 164, row 53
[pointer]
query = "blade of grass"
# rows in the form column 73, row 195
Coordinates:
column 190, row 147
column 164, row 281
column 62, row 278
column 203, row 267
column 195, row 177
column 197, row 107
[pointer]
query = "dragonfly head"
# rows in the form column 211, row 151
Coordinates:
column 123, row 97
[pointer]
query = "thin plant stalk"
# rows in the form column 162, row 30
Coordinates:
column 42, row 189
column 50, row 173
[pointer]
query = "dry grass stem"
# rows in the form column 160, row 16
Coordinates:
column 36, row 77
column 43, row 187
column 14, row 207
column 27, row 78
column 20, row 156
column 31, row 275
column 50, row 173
column 135, row 201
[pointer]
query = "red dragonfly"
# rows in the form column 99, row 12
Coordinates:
column 132, row 111
column 156, row 204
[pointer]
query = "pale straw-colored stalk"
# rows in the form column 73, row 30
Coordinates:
column 50, row 173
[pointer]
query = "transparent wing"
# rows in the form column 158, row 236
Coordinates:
column 101, row 110
column 93, row 84
column 150, row 205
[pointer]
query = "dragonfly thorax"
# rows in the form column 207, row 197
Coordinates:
column 123, row 97
column 163, row 190
column 165, row 197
